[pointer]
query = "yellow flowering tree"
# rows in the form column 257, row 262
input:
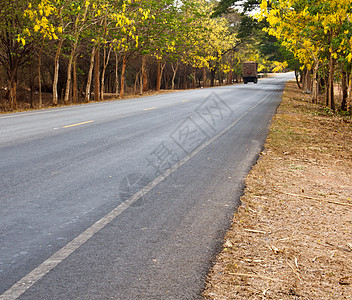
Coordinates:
column 13, row 53
column 209, row 39
column 42, row 26
column 317, row 32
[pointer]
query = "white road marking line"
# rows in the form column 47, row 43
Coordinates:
column 150, row 108
column 26, row 282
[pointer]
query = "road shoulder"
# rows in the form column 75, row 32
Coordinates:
column 291, row 237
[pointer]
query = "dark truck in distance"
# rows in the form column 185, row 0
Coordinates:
column 250, row 73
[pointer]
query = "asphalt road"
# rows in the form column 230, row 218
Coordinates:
column 71, row 223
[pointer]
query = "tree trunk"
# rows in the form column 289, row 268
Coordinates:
column 185, row 77
column 31, row 88
column 297, row 81
column 12, row 75
column 204, row 77
column 116, row 74
column 71, row 89
column 40, row 75
column 308, row 82
column 90, row 75
column 106, row 62
column 75, row 82
column 194, row 77
column 327, row 89
column 69, row 74
column 229, row 77
column 166, row 80
column 135, row 82
column 212, row 77
column 12, row 95
column 304, row 80
column 349, row 104
column 97, row 76
column 331, row 99
column 158, row 76
column 56, row 73
column 122, row 89
column 344, row 85
column 145, row 79
column 315, row 83
column 174, row 69
column 141, row 83
column 77, row 33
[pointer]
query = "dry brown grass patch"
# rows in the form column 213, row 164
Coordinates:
column 292, row 236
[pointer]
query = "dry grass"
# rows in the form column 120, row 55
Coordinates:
column 23, row 103
column 292, row 236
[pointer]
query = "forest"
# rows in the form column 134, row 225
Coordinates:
column 60, row 52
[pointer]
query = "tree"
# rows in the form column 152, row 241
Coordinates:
column 41, row 27
column 13, row 50
column 318, row 37
column 208, row 39
column 143, row 34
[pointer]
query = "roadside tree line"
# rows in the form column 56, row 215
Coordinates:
column 83, row 42
column 319, row 34
column 80, row 50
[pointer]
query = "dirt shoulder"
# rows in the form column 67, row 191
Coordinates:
column 292, row 236
column 23, row 104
